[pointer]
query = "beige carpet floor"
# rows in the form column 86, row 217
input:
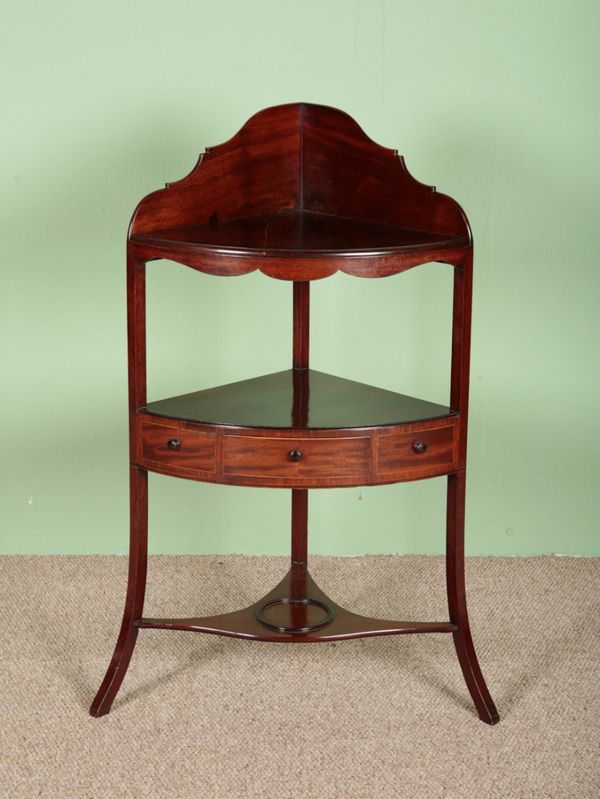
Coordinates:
column 203, row 716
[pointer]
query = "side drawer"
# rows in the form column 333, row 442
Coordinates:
column 403, row 455
column 297, row 458
column 176, row 447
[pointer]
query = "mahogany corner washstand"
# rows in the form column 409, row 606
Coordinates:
column 299, row 193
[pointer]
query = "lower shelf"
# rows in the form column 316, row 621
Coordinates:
column 296, row 611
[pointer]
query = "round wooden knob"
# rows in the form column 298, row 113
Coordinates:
column 295, row 455
column 174, row 443
column 419, row 447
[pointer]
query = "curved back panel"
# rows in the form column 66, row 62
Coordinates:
column 348, row 174
column 254, row 173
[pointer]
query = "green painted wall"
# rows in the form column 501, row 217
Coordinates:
column 495, row 103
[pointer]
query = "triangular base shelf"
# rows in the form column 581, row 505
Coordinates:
column 311, row 612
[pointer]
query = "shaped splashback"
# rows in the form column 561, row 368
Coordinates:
column 300, row 156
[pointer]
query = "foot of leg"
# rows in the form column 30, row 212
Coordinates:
column 486, row 709
column 115, row 673
column 457, row 600
column 134, row 603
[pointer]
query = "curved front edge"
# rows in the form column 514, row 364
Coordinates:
column 301, row 268
column 298, row 458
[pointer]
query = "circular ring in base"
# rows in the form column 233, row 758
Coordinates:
column 288, row 614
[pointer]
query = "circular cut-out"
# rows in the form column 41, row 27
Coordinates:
column 288, row 614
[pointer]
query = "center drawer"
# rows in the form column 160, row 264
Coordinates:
column 294, row 458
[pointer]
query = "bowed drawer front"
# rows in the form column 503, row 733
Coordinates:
column 364, row 457
column 296, row 458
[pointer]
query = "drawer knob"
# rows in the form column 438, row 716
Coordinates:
column 419, row 447
column 295, row 455
column 174, row 444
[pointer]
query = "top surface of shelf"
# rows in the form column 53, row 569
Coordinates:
column 297, row 233
column 297, row 399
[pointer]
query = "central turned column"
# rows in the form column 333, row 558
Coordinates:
column 296, row 611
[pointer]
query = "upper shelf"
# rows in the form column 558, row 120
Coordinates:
column 294, row 234
column 300, row 192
